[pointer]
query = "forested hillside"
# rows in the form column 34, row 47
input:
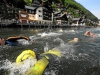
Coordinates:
column 76, row 9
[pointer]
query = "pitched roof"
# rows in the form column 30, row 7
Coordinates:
column 75, row 18
column 58, row 12
column 36, row 3
column 61, row 16
column 29, row 7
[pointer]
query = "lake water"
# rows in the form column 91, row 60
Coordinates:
column 81, row 58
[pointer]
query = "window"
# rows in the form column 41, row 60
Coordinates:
column 44, row 12
column 39, row 10
column 29, row 11
column 32, row 12
column 9, row 11
column 40, row 15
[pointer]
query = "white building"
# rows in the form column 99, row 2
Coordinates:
column 99, row 23
column 40, row 14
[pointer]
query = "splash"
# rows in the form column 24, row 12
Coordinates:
column 59, row 40
column 46, row 47
column 52, row 72
column 16, row 68
column 23, row 42
column 49, row 34
column 67, row 50
column 98, row 35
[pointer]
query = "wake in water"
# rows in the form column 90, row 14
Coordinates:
column 69, row 51
column 66, row 48
column 49, row 34
column 76, row 59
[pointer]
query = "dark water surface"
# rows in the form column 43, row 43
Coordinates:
column 82, row 58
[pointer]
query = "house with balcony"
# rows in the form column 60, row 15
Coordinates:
column 99, row 23
column 60, row 18
column 23, row 17
column 36, row 14
column 75, row 21
column 82, row 22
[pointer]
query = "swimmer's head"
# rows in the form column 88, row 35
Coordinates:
column 2, row 41
column 75, row 39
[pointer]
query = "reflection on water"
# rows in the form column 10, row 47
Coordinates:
column 81, row 58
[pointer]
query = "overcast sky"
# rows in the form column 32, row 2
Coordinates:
column 92, row 5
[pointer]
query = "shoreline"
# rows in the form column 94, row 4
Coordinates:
column 20, row 25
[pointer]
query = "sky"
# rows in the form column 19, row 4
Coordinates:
column 92, row 5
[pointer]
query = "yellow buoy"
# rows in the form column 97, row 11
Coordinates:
column 60, row 30
column 73, row 30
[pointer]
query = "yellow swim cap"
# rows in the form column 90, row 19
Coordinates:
column 25, row 55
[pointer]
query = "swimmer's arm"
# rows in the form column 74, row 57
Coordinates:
column 86, row 35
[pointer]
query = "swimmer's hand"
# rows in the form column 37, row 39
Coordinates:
column 86, row 35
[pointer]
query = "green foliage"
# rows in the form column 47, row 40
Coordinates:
column 73, row 6
column 28, row 2
column 54, row 6
column 44, row 0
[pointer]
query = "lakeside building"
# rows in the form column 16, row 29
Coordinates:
column 60, row 18
column 78, row 22
column 37, row 14
column 99, row 22
column 75, row 21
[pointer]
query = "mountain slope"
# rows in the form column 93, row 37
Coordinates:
column 76, row 9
